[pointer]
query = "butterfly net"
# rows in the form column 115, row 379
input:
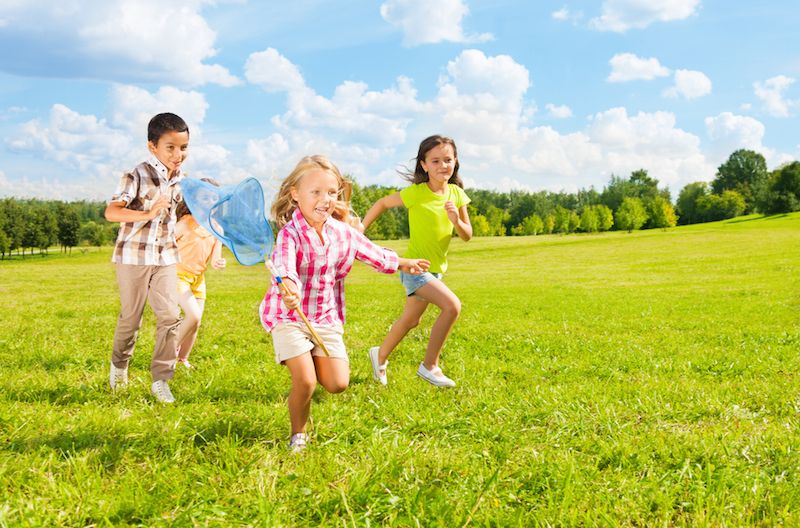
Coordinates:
column 234, row 214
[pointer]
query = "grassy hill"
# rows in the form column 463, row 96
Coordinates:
column 632, row 379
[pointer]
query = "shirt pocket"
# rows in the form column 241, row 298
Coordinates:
column 150, row 197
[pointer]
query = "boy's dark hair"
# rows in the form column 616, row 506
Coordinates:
column 419, row 175
column 163, row 123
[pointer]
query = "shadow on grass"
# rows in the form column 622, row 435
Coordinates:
column 762, row 217
column 111, row 445
column 63, row 394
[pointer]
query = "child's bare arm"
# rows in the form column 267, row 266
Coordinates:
column 217, row 262
column 377, row 209
column 460, row 219
column 118, row 212
column 414, row 266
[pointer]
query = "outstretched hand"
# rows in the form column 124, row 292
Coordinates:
column 219, row 263
column 414, row 266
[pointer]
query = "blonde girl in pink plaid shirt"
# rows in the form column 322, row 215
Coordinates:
column 314, row 251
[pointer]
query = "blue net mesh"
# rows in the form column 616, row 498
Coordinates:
column 234, row 214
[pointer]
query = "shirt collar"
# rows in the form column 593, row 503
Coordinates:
column 300, row 220
column 162, row 170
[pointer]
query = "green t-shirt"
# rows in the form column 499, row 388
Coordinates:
column 430, row 228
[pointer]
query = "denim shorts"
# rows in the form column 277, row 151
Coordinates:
column 414, row 282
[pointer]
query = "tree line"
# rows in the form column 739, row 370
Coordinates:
column 29, row 225
column 742, row 185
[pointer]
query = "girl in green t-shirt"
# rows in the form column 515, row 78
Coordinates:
column 436, row 204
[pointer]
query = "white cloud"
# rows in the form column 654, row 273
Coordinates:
column 273, row 72
column 689, row 84
column 650, row 141
column 481, row 101
column 566, row 15
column 80, row 141
column 121, row 40
column 101, row 149
column 729, row 132
column 132, row 107
column 46, row 188
column 772, row 94
column 424, row 22
column 621, row 15
column 628, row 67
column 559, row 111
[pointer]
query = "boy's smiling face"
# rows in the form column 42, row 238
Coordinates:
column 171, row 150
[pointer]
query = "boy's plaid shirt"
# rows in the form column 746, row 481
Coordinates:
column 319, row 269
column 151, row 242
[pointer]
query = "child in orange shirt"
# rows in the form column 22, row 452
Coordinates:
column 197, row 248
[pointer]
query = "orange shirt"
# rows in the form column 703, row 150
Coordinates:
column 195, row 246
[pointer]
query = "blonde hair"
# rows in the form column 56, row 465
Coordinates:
column 283, row 206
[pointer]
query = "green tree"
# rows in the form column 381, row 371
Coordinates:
column 687, row 202
column 14, row 227
column 497, row 219
column 549, row 223
column 745, row 172
column 562, row 218
column 93, row 234
column 480, row 226
column 590, row 220
column 605, row 217
column 5, row 244
column 631, row 215
column 714, row 207
column 638, row 185
column 782, row 192
column 532, row 225
column 661, row 213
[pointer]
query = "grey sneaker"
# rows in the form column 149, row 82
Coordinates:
column 160, row 390
column 298, row 442
column 378, row 371
column 435, row 376
column 118, row 377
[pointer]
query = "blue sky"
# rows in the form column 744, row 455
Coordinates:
column 537, row 95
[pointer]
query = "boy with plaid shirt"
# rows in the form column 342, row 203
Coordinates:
column 146, row 253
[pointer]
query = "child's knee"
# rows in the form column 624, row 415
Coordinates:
column 452, row 308
column 304, row 385
column 336, row 386
column 411, row 323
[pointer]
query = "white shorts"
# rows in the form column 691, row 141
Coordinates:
column 293, row 339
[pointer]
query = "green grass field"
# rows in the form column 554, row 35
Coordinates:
column 645, row 379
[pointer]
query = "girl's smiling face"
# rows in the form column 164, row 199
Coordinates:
column 439, row 163
column 316, row 195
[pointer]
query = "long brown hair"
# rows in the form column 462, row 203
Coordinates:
column 419, row 175
column 283, row 206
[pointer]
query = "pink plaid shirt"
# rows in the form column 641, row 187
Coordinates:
column 319, row 269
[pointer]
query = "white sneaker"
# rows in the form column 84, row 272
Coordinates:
column 378, row 371
column 160, row 390
column 435, row 376
column 118, row 377
column 298, row 442
column 185, row 363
